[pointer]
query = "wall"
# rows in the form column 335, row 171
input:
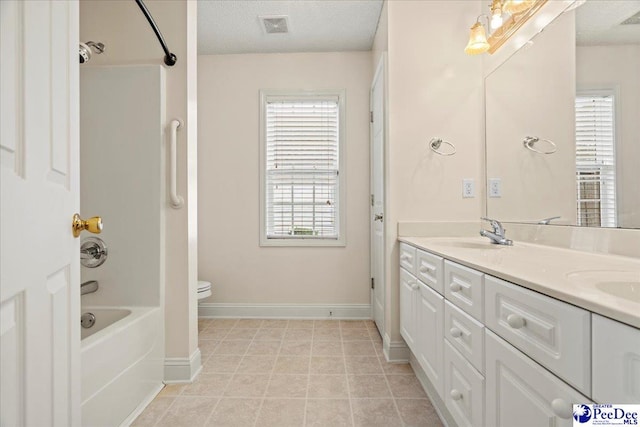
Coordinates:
column 229, row 255
column 434, row 90
column 121, row 26
column 121, row 116
column 608, row 67
column 533, row 94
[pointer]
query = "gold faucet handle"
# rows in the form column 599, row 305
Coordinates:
column 92, row 225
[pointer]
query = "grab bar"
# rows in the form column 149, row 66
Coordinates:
column 176, row 201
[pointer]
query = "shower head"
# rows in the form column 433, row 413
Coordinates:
column 88, row 48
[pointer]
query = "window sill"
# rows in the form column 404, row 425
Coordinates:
column 301, row 242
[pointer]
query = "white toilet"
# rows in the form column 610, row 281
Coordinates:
column 204, row 289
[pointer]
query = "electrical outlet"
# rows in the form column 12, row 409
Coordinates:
column 468, row 188
column 495, row 187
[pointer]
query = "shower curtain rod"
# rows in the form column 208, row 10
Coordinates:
column 169, row 58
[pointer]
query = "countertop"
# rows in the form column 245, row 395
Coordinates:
column 605, row 284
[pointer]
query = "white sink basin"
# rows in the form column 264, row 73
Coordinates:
column 622, row 284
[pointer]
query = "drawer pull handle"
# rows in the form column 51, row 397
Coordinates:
column 456, row 394
column 404, row 257
column 415, row 286
column 515, row 321
column 561, row 408
column 455, row 332
column 455, row 287
column 427, row 269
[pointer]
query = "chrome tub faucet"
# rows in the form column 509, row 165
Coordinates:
column 497, row 235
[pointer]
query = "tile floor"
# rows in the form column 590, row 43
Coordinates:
column 299, row 373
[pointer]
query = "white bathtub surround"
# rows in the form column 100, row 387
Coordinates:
column 122, row 154
column 122, row 364
column 182, row 370
column 285, row 311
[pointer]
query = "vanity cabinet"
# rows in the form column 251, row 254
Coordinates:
column 502, row 355
column 616, row 361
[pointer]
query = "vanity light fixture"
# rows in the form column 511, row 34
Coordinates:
column 477, row 39
column 505, row 17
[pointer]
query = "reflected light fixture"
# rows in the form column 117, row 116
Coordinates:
column 517, row 6
column 496, row 14
column 477, row 39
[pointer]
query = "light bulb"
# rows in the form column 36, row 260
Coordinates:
column 496, row 21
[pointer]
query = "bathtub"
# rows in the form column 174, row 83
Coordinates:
column 122, row 358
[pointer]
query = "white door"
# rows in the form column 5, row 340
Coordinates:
column 377, row 197
column 39, row 193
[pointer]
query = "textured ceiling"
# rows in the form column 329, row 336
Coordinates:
column 598, row 22
column 233, row 26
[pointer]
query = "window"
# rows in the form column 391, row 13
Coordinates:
column 595, row 159
column 302, row 175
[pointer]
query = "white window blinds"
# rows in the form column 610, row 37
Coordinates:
column 301, row 171
column 595, row 160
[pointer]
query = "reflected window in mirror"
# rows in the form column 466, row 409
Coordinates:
column 596, row 159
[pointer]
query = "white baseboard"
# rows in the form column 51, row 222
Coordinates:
column 395, row 351
column 182, row 369
column 286, row 311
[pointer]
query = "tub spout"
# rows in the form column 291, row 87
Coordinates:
column 89, row 287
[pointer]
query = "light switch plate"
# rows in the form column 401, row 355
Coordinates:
column 495, row 187
column 468, row 188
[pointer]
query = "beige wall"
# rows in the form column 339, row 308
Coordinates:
column 533, row 94
column 611, row 67
column 122, row 27
column 229, row 255
column 434, row 90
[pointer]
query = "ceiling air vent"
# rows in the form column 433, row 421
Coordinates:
column 632, row 20
column 275, row 24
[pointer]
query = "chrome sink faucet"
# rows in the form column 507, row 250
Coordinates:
column 497, row 236
column 89, row 287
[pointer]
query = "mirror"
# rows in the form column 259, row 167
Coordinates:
column 574, row 90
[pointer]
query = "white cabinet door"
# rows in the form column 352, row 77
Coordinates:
column 463, row 389
column 39, row 193
column 522, row 393
column 616, row 361
column 408, row 288
column 429, row 334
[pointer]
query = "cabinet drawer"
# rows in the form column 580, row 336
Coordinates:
column 464, row 287
column 553, row 333
column 408, row 258
column 430, row 270
column 522, row 393
column 465, row 334
column 616, row 361
column 463, row 389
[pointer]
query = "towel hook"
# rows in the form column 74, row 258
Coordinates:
column 529, row 142
column 436, row 143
